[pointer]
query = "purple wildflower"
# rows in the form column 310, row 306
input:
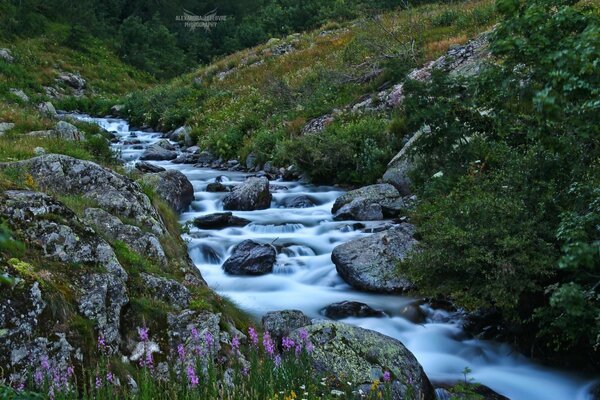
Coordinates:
column 45, row 363
column 20, row 387
column 143, row 332
column 195, row 334
column 98, row 382
column 287, row 343
column 209, row 340
column 181, row 352
column 303, row 333
column 298, row 349
column 253, row 336
column 70, row 371
column 38, row 377
column 149, row 360
column 309, row 347
column 51, row 393
column 277, row 361
column 235, row 344
column 268, row 343
column 102, row 343
column 192, row 377
column 387, row 376
column 110, row 378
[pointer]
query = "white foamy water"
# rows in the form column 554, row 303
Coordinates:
column 305, row 279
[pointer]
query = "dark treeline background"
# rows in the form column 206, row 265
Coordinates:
column 147, row 34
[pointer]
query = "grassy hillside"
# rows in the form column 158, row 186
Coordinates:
column 257, row 100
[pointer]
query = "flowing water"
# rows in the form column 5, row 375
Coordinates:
column 305, row 279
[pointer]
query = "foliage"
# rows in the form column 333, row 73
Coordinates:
column 507, row 175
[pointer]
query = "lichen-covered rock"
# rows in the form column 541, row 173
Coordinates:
column 167, row 290
column 48, row 109
column 173, row 187
column 251, row 258
column 162, row 150
column 399, row 167
column 75, row 81
column 144, row 243
column 253, row 194
column 194, row 328
column 371, row 263
column 283, row 323
column 56, row 231
column 6, row 55
column 359, row 209
column 67, row 131
column 147, row 167
column 110, row 191
column 101, row 298
column 347, row 309
column 5, row 126
column 385, row 195
column 219, row 220
column 350, row 353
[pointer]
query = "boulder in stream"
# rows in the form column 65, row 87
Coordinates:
column 162, row 150
column 219, row 220
column 360, row 203
column 347, row 309
column 251, row 258
column 253, row 194
column 371, row 263
column 347, row 352
column 173, row 187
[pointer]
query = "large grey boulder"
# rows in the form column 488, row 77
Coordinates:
column 20, row 94
column 384, row 195
column 5, row 55
column 251, row 258
column 108, row 190
column 219, row 220
column 162, row 150
column 173, row 187
column 147, row 167
column 75, row 81
column 142, row 242
column 283, row 323
column 48, row 109
column 371, row 263
column 167, row 290
column 299, row 201
column 350, row 353
column 183, row 134
column 5, row 126
column 253, row 194
column 67, row 131
column 397, row 173
column 359, row 209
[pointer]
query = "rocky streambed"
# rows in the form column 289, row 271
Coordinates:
column 270, row 243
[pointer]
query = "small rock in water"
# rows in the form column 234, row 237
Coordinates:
column 347, row 309
column 253, row 194
column 300, row 201
column 216, row 187
column 219, row 220
column 251, row 258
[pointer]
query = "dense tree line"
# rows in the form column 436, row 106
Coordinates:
column 149, row 36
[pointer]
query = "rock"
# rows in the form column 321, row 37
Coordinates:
column 173, row 187
column 110, row 191
column 359, row 209
column 251, row 258
column 270, row 169
column 250, row 161
column 317, row 125
column 386, row 195
column 58, row 233
column 167, row 290
column 341, row 350
column 347, row 309
column 5, row 126
column 219, row 220
column 67, row 131
column 141, row 242
column 413, row 313
column 6, row 56
column 147, row 167
column 485, row 323
column 101, row 298
column 216, row 187
column 186, row 158
column 117, row 108
column 75, row 81
column 401, row 164
column 20, row 94
column 39, row 151
column 479, row 391
column 48, row 109
column 205, row 324
column 253, row 194
column 206, row 157
column 162, row 150
column 183, row 134
column 283, row 323
column 371, row 263
column 300, row 201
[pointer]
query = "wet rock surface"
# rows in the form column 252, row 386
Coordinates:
column 347, row 309
column 253, row 194
column 251, row 258
column 173, row 187
column 219, row 220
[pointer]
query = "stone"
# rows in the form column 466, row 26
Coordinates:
column 359, row 209
column 67, row 131
column 39, row 151
column 206, row 157
column 219, row 221
column 371, row 263
column 205, row 324
column 383, row 194
column 173, row 187
column 141, row 242
column 112, row 192
column 147, row 167
column 341, row 350
column 75, row 81
column 397, row 173
column 250, row 258
column 299, row 201
column 5, row 126
column 20, row 94
column 186, row 158
column 283, row 323
column 167, row 290
column 250, row 161
column 253, row 194
column 6, row 56
column 162, row 150
column 117, row 109
column 347, row 309
column 216, row 187
column 183, row 134
column 48, row 109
